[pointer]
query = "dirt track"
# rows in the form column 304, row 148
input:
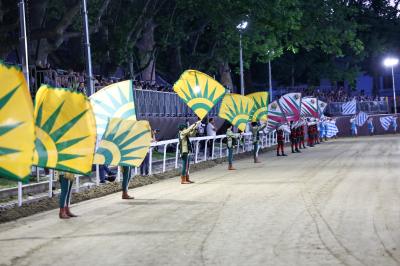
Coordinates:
column 335, row 204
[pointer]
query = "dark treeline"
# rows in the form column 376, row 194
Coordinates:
column 306, row 40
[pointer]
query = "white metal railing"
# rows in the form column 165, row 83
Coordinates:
column 217, row 151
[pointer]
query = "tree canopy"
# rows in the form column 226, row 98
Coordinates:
column 306, row 40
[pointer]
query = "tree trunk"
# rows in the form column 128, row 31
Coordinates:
column 145, row 47
column 225, row 73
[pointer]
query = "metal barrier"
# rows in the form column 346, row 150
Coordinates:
column 370, row 107
column 218, row 150
column 164, row 104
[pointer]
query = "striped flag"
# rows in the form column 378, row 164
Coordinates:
column 349, row 108
column 290, row 104
column 309, row 107
column 332, row 129
column 386, row 121
column 275, row 116
column 361, row 118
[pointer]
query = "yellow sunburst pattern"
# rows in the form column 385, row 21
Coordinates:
column 199, row 91
column 125, row 142
column 115, row 100
column 260, row 109
column 17, row 129
column 236, row 109
column 65, row 130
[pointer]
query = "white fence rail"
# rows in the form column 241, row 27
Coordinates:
column 200, row 153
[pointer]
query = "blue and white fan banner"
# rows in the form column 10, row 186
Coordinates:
column 349, row 108
column 332, row 129
column 361, row 118
column 386, row 121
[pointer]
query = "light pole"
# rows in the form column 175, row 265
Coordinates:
column 89, row 71
column 392, row 62
column 241, row 27
column 270, row 80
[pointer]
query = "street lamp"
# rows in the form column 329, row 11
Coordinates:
column 241, row 27
column 270, row 74
column 392, row 62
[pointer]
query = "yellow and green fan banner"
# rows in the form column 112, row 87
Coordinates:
column 17, row 128
column 236, row 109
column 125, row 142
column 260, row 109
column 115, row 100
column 199, row 91
column 65, row 130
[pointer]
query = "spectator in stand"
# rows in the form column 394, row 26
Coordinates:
column 211, row 132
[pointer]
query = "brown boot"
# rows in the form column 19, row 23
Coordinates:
column 231, row 167
column 126, row 196
column 69, row 213
column 188, row 180
column 184, row 181
column 63, row 214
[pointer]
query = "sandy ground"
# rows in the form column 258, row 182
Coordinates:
column 335, row 204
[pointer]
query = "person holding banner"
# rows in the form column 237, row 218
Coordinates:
column 394, row 124
column 255, row 129
column 185, row 148
column 231, row 138
column 293, row 138
column 281, row 141
column 370, row 126
column 126, row 178
column 66, row 182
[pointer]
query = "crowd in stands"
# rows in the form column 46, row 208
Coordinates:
column 76, row 80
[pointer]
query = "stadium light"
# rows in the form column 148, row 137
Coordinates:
column 241, row 27
column 392, row 62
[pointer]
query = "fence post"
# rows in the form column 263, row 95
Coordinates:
column 176, row 155
column 212, row 150
column 205, row 150
column 165, row 157
column 77, row 183
column 37, row 174
column 97, row 174
column 197, row 152
column 51, row 176
column 150, row 161
column 118, row 174
column 19, row 194
column 220, row 148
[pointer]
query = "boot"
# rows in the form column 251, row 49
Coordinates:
column 297, row 150
column 188, row 180
column 277, row 153
column 256, row 160
column 126, row 196
column 231, row 167
column 69, row 213
column 183, row 180
column 283, row 154
column 63, row 214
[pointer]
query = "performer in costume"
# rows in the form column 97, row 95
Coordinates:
column 185, row 149
column 371, row 126
column 66, row 182
column 126, row 178
column 293, row 138
column 231, row 138
column 255, row 129
column 353, row 127
column 394, row 124
column 281, row 141
column 298, row 137
column 302, row 137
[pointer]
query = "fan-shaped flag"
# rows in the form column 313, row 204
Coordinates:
column 115, row 100
column 65, row 130
column 199, row 91
column 236, row 109
column 17, row 128
column 125, row 142
column 291, row 106
column 321, row 108
column 260, row 109
column 349, row 108
column 332, row 129
column 361, row 118
column 275, row 116
column 309, row 107
column 386, row 121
